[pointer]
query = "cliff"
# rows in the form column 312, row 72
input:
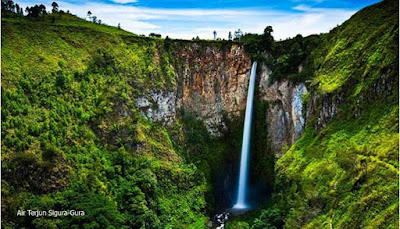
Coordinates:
column 285, row 114
column 211, row 82
column 147, row 131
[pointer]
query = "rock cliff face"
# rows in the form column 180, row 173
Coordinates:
column 212, row 82
column 285, row 113
column 158, row 106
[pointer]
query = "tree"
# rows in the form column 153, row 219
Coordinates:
column 36, row 11
column 167, row 43
column 268, row 30
column 238, row 34
column 94, row 19
column 55, row 7
column 154, row 35
column 89, row 14
column 8, row 5
column 271, row 218
column 267, row 38
column 299, row 39
column 230, row 35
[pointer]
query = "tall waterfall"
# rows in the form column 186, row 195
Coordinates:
column 242, row 186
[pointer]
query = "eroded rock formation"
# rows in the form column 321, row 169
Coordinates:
column 285, row 113
column 212, row 82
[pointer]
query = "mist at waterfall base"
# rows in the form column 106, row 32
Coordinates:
column 226, row 189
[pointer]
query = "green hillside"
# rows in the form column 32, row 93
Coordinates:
column 65, row 144
column 73, row 138
column 345, row 175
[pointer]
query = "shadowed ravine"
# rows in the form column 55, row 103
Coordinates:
column 241, row 204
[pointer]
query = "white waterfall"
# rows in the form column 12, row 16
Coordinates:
column 242, row 186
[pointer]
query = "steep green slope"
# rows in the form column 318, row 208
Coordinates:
column 360, row 50
column 73, row 139
column 345, row 175
column 343, row 172
column 38, row 47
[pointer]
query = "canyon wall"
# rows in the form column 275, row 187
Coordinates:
column 285, row 112
column 212, row 83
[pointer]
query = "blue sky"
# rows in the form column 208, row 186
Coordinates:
column 190, row 18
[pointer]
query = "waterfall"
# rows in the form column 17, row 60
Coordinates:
column 242, row 185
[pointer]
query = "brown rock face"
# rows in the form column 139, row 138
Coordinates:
column 214, row 81
column 285, row 113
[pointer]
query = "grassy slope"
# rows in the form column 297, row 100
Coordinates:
column 68, row 85
column 67, row 146
column 71, row 43
column 347, row 174
column 358, row 50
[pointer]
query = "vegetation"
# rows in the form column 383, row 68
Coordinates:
column 291, row 59
column 73, row 137
column 258, row 45
column 344, row 175
column 65, row 144
column 69, row 115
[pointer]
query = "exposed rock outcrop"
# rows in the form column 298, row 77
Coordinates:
column 158, row 106
column 214, row 81
column 285, row 114
column 211, row 81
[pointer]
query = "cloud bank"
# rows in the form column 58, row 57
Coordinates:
column 189, row 23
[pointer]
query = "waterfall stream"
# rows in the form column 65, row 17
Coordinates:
column 242, row 185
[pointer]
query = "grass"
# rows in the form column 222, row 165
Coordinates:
column 344, row 174
column 65, row 86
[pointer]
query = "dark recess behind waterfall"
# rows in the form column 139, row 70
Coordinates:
column 262, row 160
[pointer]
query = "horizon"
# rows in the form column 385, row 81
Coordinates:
column 189, row 19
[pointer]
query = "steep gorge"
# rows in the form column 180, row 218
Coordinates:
column 212, row 83
column 152, row 127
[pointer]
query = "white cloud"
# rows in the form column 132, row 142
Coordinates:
column 189, row 23
column 124, row 1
